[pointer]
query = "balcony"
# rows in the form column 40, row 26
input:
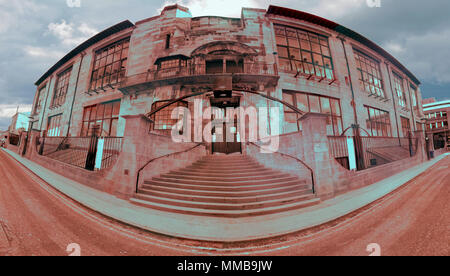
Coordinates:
column 202, row 75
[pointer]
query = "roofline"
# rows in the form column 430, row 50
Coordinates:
column 437, row 103
column 88, row 43
column 276, row 10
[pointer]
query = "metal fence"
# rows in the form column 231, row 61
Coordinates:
column 83, row 152
column 372, row 151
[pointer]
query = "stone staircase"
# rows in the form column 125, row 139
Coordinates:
column 226, row 186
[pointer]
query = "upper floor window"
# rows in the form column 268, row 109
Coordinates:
column 54, row 126
column 304, row 52
column 39, row 100
column 414, row 97
column 110, row 65
column 378, row 122
column 400, row 91
column 104, row 117
column 369, row 74
column 315, row 103
column 61, row 87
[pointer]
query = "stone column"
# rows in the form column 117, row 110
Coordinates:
column 316, row 150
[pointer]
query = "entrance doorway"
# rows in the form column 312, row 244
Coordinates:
column 225, row 131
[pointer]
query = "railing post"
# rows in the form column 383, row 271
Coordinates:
column 359, row 148
column 92, row 152
column 41, row 147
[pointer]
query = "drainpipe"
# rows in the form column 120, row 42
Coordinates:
column 83, row 54
column 45, row 104
column 351, row 84
column 356, row 129
column 393, row 100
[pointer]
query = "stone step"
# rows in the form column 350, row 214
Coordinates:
column 226, row 199
column 218, row 188
column 219, row 182
column 226, row 213
column 267, row 173
column 229, row 178
column 224, row 171
column 229, row 192
column 224, row 206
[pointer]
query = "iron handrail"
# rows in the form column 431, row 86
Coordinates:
column 160, row 157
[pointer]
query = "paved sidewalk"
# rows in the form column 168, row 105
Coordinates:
column 223, row 229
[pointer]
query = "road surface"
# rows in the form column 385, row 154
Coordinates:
column 37, row 220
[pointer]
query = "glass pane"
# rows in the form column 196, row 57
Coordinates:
column 325, row 104
column 302, row 102
column 293, row 42
column 106, row 127
column 314, row 104
column 281, row 40
column 93, row 112
column 100, row 111
column 116, row 109
column 114, row 127
column 336, row 109
column 288, row 98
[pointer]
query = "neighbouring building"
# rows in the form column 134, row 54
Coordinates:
column 437, row 125
column 19, row 122
column 309, row 68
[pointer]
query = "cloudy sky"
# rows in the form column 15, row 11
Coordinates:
column 35, row 34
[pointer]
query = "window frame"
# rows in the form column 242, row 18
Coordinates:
column 166, row 115
column 54, row 126
column 334, row 117
column 405, row 129
column 376, row 74
column 400, row 90
column 379, row 124
column 309, row 46
column 105, row 59
column 60, row 93
column 93, row 120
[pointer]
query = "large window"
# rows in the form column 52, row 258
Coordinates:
column 163, row 118
column 369, row 74
column 406, row 127
column 400, row 91
column 110, row 65
column 54, row 126
column 62, row 85
column 378, row 122
column 104, row 116
column 414, row 99
column 304, row 52
column 318, row 104
column 39, row 100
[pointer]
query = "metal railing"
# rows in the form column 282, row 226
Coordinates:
column 198, row 70
column 81, row 152
column 372, row 151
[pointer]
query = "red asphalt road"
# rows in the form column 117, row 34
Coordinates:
column 37, row 220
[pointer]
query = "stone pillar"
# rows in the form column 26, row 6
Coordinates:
column 316, row 150
column 421, row 145
column 124, row 173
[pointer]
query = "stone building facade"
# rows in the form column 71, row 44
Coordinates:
column 312, row 82
column 438, row 120
column 298, row 58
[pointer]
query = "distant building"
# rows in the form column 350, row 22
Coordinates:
column 19, row 122
column 438, row 121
